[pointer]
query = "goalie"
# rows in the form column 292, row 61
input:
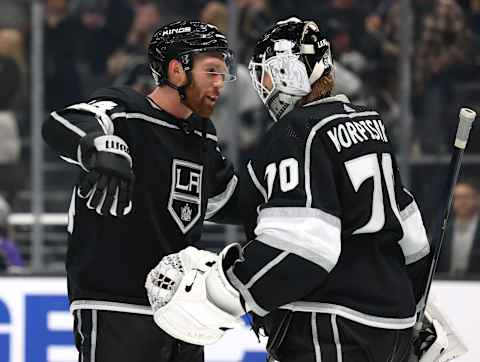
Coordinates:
column 338, row 251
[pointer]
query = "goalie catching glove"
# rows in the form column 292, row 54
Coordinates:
column 191, row 298
column 108, row 185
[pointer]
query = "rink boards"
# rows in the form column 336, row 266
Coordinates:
column 35, row 325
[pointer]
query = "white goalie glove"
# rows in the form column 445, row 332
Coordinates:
column 438, row 341
column 191, row 298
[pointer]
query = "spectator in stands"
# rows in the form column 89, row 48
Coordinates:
column 104, row 27
column 461, row 249
column 10, row 259
column 441, row 40
column 350, row 14
column 12, row 72
column 239, row 95
column 254, row 18
column 145, row 22
column 349, row 63
column 62, row 80
column 441, row 50
column 128, row 65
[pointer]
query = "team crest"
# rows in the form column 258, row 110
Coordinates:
column 185, row 194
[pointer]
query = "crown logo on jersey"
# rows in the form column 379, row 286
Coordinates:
column 185, row 203
column 186, row 213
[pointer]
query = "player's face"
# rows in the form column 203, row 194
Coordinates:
column 267, row 81
column 208, row 78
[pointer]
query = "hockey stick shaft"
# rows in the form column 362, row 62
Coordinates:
column 466, row 118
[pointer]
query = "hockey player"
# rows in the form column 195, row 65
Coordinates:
column 151, row 172
column 337, row 245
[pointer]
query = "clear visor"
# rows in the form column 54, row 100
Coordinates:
column 226, row 69
column 226, row 74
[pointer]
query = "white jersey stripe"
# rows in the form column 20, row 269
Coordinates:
column 216, row 203
column 351, row 314
column 414, row 243
column 316, row 343
column 79, row 330
column 314, row 238
column 255, row 181
column 100, row 114
column 110, row 306
column 336, row 337
column 93, row 336
column 158, row 122
column 266, row 268
column 67, row 124
column 250, row 302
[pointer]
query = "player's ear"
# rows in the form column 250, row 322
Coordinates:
column 176, row 73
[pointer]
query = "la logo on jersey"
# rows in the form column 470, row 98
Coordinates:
column 185, row 194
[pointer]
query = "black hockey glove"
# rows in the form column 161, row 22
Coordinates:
column 108, row 185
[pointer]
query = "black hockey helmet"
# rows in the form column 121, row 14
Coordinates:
column 307, row 39
column 295, row 54
column 181, row 40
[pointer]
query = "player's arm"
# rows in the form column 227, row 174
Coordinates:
column 298, row 233
column 414, row 243
column 223, row 202
column 64, row 129
column 296, row 245
column 83, row 134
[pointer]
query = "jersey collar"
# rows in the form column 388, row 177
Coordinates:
column 338, row 98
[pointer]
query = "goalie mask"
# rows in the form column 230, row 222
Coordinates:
column 181, row 40
column 289, row 58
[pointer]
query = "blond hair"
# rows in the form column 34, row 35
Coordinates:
column 322, row 88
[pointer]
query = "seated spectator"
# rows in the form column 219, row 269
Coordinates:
column 10, row 259
column 460, row 254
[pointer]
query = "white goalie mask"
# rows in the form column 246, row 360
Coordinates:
column 281, row 80
column 288, row 59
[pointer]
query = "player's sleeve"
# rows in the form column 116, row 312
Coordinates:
column 223, row 198
column 64, row 128
column 298, row 235
column 414, row 243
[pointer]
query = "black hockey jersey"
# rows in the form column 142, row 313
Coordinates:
column 181, row 178
column 332, row 229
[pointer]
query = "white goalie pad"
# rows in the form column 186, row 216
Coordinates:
column 448, row 344
column 190, row 316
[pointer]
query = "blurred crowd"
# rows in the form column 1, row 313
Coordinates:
column 94, row 43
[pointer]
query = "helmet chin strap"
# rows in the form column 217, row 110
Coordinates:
column 182, row 88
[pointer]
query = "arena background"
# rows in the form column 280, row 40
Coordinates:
column 417, row 62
